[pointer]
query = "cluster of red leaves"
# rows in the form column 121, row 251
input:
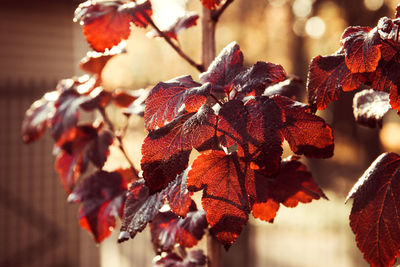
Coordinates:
column 366, row 56
column 374, row 217
column 230, row 110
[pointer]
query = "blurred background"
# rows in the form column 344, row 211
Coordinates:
column 39, row 45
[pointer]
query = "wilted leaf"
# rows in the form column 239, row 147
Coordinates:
column 102, row 196
column 362, row 49
column 370, row 106
column 374, row 217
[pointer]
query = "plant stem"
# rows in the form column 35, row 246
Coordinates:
column 217, row 14
column 213, row 252
column 199, row 67
column 119, row 138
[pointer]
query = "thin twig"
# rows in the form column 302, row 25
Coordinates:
column 199, row 67
column 217, row 13
column 119, row 138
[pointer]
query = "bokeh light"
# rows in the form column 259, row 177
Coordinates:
column 315, row 27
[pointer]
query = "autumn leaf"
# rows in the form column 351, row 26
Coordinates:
column 192, row 259
column 179, row 198
column 102, row 196
column 362, row 48
column 107, row 23
column 210, row 4
column 374, row 217
column 187, row 20
column 370, row 106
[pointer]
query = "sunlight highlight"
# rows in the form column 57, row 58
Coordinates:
column 315, row 27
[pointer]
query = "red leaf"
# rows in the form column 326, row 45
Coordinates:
column 94, row 62
column 69, row 169
column 224, row 198
column 137, row 107
column 123, row 98
column 210, row 4
column 374, row 217
column 255, row 127
column 169, row 99
column 362, row 49
column 98, row 98
column 192, row 259
column 102, row 196
column 167, row 229
column 38, row 116
column 305, row 132
column 294, row 184
column 225, row 66
column 326, row 76
column 166, row 150
column 107, row 23
column 179, row 198
column 257, row 78
column 397, row 14
column 182, row 23
column 370, row 106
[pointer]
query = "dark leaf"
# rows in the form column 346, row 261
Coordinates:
column 123, row 98
column 179, row 198
column 225, row 66
column 166, row 150
column 325, row 78
column 138, row 106
column 102, row 196
column 107, row 23
column 182, row 23
column 374, row 217
column 169, row 99
column 167, row 229
column 38, row 116
column 305, row 132
column 254, row 80
column 192, row 259
column 292, row 87
column 294, row 184
column 370, row 106
column 97, row 99
column 69, row 169
column 397, row 14
column 94, row 62
column 362, row 49
column 210, row 4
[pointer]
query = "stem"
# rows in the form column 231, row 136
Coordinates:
column 217, row 14
column 208, row 37
column 213, row 252
column 199, row 67
column 119, row 138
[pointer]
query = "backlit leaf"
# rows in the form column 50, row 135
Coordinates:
column 374, row 217
column 102, row 196
column 362, row 49
column 370, row 106
column 210, row 4
column 179, row 198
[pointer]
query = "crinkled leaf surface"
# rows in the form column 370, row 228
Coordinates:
column 370, row 106
column 107, row 23
column 362, row 49
column 192, row 259
column 167, row 229
column 375, row 217
column 231, row 190
column 102, row 196
column 179, row 198
column 326, row 77
column 169, row 99
column 166, row 150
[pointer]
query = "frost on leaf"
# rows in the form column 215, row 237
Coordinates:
column 167, row 229
column 375, row 213
column 370, row 106
column 326, row 77
column 107, row 23
column 362, row 49
column 94, row 62
column 192, row 259
column 231, row 190
column 166, row 150
column 102, row 196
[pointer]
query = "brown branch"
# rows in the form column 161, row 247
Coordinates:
column 217, row 13
column 119, row 138
column 199, row 67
